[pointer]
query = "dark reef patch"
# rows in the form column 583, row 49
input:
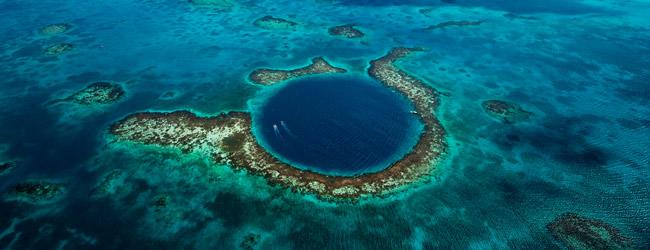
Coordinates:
column 35, row 191
column 108, row 183
column 160, row 201
column 578, row 232
column 505, row 111
column 213, row 3
column 348, row 31
column 250, row 241
column 168, row 95
column 452, row 24
column 275, row 23
column 6, row 167
column 270, row 76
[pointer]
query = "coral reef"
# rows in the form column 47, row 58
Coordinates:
column 578, row 232
column 228, row 138
column 54, row 29
column 347, row 31
column 58, row 49
column 274, row 23
column 36, row 191
column 97, row 93
column 505, row 111
column 270, row 76
column 453, row 23
column 6, row 167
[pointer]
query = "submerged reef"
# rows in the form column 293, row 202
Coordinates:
column 168, row 95
column 578, row 232
column 453, row 23
column 505, row 111
column 348, row 31
column 58, row 49
column 108, row 184
column 96, row 93
column 6, row 167
column 35, row 191
column 274, row 23
column 54, row 29
column 270, row 76
column 228, row 139
column 160, row 201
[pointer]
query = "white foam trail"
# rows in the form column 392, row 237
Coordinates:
column 284, row 125
column 277, row 131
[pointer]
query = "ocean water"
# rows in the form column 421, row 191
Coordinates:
column 581, row 66
column 337, row 125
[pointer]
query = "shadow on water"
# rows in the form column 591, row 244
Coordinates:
column 561, row 138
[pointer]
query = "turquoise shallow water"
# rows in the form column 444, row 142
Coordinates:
column 580, row 66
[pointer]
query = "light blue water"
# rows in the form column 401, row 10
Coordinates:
column 580, row 66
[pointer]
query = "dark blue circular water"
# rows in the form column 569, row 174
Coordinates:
column 337, row 125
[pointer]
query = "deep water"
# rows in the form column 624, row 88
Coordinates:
column 337, row 125
column 581, row 66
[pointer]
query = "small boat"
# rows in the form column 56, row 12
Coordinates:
column 413, row 112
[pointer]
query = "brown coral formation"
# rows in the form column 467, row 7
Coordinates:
column 578, row 232
column 505, row 111
column 453, row 23
column 228, row 138
column 270, row 76
column 348, row 31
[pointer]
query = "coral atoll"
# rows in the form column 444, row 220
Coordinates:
column 35, row 191
column 274, row 23
column 228, row 138
column 578, row 232
column 271, row 76
column 347, row 30
column 505, row 111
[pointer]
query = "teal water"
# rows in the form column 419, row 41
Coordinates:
column 337, row 125
column 580, row 66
